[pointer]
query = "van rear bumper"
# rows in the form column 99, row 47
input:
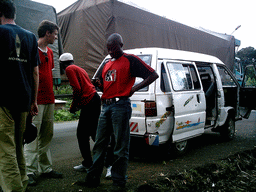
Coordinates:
column 147, row 138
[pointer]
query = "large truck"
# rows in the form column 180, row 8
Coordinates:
column 29, row 15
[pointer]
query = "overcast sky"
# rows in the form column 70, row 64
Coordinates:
column 222, row 16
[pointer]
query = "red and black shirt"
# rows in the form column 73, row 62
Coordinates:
column 119, row 75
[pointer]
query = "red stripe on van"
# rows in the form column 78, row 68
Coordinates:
column 134, row 127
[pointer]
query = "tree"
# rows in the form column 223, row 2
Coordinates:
column 247, row 56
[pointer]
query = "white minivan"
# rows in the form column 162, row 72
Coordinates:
column 194, row 92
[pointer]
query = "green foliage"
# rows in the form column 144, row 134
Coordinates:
column 247, row 55
column 251, row 82
column 63, row 89
column 250, row 78
column 64, row 114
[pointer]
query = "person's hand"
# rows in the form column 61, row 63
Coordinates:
column 96, row 82
column 73, row 109
column 34, row 109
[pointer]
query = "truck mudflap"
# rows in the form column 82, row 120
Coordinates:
column 151, row 139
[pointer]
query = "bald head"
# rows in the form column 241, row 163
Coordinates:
column 115, row 38
column 114, row 45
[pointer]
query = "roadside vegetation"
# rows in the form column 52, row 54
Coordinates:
column 64, row 114
column 236, row 173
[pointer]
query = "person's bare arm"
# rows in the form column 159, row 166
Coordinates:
column 34, row 107
column 150, row 79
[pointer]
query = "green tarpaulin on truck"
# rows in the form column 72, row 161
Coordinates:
column 29, row 16
column 86, row 24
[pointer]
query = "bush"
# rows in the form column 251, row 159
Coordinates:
column 64, row 114
column 63, row 89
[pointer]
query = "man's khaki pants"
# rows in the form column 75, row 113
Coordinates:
column 13, row 175
column 37, row 153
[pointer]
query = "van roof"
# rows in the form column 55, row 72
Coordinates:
column 172, row 54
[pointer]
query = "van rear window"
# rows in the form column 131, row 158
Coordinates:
column 147, row 59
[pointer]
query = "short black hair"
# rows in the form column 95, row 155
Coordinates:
column 7, row 9
column 45, row 26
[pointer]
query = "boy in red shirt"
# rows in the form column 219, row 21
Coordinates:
column 87, row 99
column 38, row 155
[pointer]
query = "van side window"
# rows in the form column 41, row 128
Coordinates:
column 165, row 87
column 183, row 76
column 226, row 78
column 206, row 76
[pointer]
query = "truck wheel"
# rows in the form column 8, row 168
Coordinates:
column 180, row 148
column 228, row 130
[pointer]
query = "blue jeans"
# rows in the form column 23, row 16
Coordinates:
column 114, row 118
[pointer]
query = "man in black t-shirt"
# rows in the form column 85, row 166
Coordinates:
column 19, row 83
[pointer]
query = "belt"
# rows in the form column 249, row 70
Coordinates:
column 113, row 100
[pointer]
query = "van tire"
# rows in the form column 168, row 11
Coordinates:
column 180, row 148
column 227, row 131
column 172, row 150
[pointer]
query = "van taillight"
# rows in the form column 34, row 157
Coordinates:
column 150, row 109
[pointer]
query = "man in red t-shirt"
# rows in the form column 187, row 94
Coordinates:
column 117, row 80
column 38, row 156
column 87, row 99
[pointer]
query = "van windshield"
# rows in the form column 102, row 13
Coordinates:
column 147, row 59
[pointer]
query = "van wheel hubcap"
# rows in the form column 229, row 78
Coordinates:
column 181, row 146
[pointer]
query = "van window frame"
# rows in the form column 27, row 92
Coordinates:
column 194, row 79
column 223, row 69
column 164, row 81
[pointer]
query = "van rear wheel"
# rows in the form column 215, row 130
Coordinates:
column 228, row 130
column 180, row 148
column 172, row 150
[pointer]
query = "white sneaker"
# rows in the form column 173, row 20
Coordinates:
column 108, row 175
column 81, row 168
